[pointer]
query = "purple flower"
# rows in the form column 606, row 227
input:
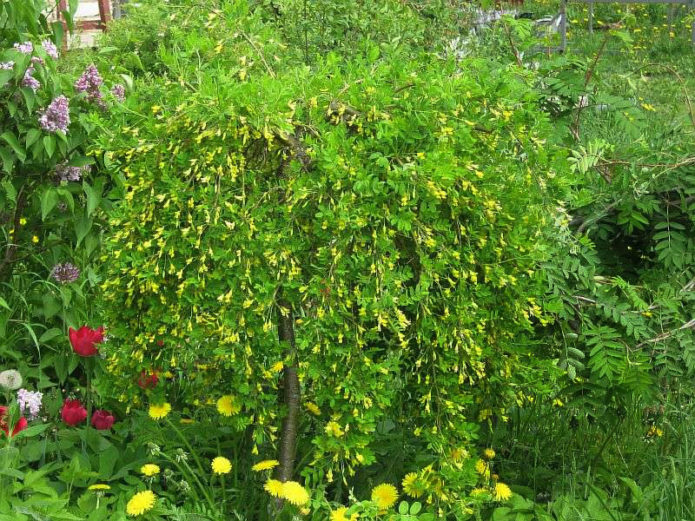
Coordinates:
column 56, row 116
column 24, row 48
column 89, row 82
column 65, row 273
column 29, row 402
column 50, row 48
column 70, row 173
column 6, row 66
column 29, row 80
column 37, row 59
column 118, row 92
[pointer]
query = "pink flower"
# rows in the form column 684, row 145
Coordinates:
column 84, row 339
column 20, row 425
column 102, row 420
column 73, row 412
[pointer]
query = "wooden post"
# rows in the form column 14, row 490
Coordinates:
column 105, row 11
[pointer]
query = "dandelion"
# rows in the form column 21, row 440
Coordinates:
column 412, row 485
column 159, row 411
column 339, row 515
column 502, row 492
column 655, row 431
column 56, row 116
column 481, row 467
column 273, row 487
column 384, row 495
column 65, row 273
column 221, row 465
column 29, row 402
column 489, row 454
column 228, row 406
column 149, row 470
column 295, row 493
column 140, row 503
column 50, row 48
column 10, row 379
column 265, row 465
column 99, row 487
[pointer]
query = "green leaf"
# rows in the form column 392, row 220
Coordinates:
column 32, row 136
column 11, row 140
column 50, row 334
column 49, row 143
column 93, row 197
column 49, row 199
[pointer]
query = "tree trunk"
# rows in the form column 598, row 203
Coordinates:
column 291, row 396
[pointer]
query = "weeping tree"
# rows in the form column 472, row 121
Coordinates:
column 345, row 251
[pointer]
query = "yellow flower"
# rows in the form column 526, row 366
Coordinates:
column 384, row 495
column 295, row 493
column 150, row 469
column 22, row 221
column 489, row 454
column 502, row 492
column 339, row 515
column 482, row 468
column 313, row 408
column 412, row 486
column 479, row 491
column 159, row 411
column 265, row 465
column 221, row 465
column 227, row 405
column 654, row 431
column 273, row 487
column 334, row 429
column 34, row 239
column 140, row 503
column 277, row 367
column 99, row 486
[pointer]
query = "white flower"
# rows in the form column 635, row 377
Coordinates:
column 10, row 379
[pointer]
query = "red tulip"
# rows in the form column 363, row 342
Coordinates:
column 73, row 412
column 83, row 340
column 102, row 420
column 148, row 381
column 20, row 425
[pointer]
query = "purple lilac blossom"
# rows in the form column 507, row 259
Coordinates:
column 70, row 173
column 24, row 48
column 29, row 80
column 56, row 116
column 89, row 82
column 65, row 273
column 29, row 402
column 6, row 66
column 118, row 92
column 37, row 59
column 50, row 48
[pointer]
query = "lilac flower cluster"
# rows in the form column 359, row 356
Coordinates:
column 70, row 173
column 29, row 402
column 118, row 92
column 24, row 48
column 65, row 273
column 29, row 80
column 6, row 66
column 56, row 116
column 89, row 82
column 50, row 48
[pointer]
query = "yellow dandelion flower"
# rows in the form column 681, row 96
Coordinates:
column 489, row 454
column 228, row 406
column 502, row 492
column 159, row 411
column 479, row 491
column 221, row 465
column 140, row 503
column 339, row 514
column 149, row 469
column 265, row 465
column 384, row 495
column 99, row 486
column 412, row 486
column 313, row 408
column 295, row 493
column 655, row 431
column 273, row 487
column 459, row 454
column 481, row 467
